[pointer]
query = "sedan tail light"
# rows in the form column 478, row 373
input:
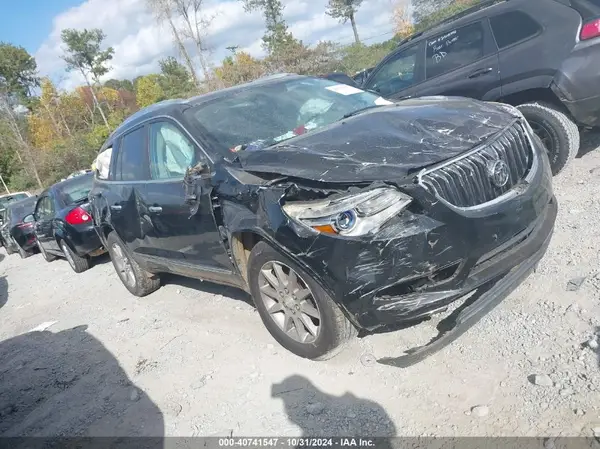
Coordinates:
column 590, row 30
column 78, row 216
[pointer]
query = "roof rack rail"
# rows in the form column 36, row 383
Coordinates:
column 479, row 6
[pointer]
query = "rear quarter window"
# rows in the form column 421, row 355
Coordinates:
column 512, row 27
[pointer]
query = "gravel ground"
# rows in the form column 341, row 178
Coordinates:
column 194, row 358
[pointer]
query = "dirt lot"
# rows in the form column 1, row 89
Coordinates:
column 194, row 358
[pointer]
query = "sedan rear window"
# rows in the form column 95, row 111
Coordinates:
column 76, row 189
column 17, row 211
column 11, row 199
column 265, row 114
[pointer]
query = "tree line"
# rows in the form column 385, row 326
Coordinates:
column 47, row 133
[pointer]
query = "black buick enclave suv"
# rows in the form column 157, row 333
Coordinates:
column 337, row 210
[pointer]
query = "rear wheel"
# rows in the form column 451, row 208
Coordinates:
column 78, row 264
column 47, row 257
column 558, row 133
column 296, row 311
column 137, row 280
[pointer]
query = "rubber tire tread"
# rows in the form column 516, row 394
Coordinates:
column 81, row 263
column 336, row 330
column 145, row 282
column 567, row 132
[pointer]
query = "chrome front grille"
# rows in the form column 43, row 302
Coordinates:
column 477, row 177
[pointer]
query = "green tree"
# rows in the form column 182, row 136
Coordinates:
column 83, row 53
column 427, row 13
column 149, row 91
column 18, row 72
column 277, row 36
column 345, row 10
column 120, row 85
column 176, row 81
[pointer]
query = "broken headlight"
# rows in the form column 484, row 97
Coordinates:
column 349, row 215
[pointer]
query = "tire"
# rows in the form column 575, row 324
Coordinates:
column 78, row 264
column 559, row 133
column 47, row 257
column 334, row 329
column 138, row 281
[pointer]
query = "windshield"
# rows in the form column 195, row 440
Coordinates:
column 11, row 199
column 76, row 189
column 17, row 212
column 263, row 115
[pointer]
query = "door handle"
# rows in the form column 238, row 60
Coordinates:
column 116, row 207
column 155, row 209
column 480, row 72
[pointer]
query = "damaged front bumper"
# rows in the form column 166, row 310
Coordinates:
column 486, row 297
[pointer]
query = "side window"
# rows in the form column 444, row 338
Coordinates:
column 44, row 208
column 171, row 152
column 513, row 26
column 454, row 49
column 39, row 209
column 397, row 73
column 132, row 161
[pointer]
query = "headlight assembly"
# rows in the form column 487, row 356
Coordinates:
column 349, row 215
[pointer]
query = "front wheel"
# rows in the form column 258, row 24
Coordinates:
column 78, row 264
column 556, row 130
column 296, row 311
column 138, row 281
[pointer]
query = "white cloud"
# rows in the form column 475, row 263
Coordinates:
column 139, row 42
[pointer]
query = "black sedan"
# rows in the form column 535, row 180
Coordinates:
column 17, row 232
column 63, row 224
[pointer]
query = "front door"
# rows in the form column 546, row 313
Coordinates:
column 182, row 238
column 44, row 217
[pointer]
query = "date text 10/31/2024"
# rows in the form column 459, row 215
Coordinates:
column 297, row 442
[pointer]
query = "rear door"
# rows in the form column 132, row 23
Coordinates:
column 125, row 192
column 462, row 62
column 533, row 46
column 182, row 239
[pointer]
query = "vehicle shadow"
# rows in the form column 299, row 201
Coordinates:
column 590, row 141
column 3, row 291
column 2, row 256
column 319, row 414
column 67, row 384
column 207, row 287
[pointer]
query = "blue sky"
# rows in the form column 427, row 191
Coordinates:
column 139, row 43
column 29, row 22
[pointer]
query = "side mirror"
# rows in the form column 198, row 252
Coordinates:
column 29, row 218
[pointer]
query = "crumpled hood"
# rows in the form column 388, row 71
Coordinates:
column 384, row 143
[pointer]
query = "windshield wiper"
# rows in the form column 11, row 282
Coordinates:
column 360, row 111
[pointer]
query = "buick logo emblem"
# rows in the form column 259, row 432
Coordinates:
column 498, row 173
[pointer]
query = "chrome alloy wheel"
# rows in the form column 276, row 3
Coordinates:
column 123, row 265
column 289, row 302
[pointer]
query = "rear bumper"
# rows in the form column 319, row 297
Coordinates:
column 83, row 241
column 587, row 111
column 577, row 84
